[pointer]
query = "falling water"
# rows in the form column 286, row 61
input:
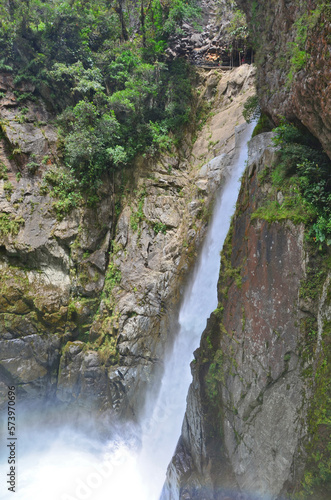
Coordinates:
column 62, row 463
column 200, row 300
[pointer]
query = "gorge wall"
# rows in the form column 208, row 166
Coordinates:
column 258, row 409
column 258, row 375
column 293, row 61
column 89, row 296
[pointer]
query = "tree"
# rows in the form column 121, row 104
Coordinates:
column 120, row 12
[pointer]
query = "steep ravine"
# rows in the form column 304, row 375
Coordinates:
column 260, row 377
column 89, row 298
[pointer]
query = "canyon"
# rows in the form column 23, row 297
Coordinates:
column 91, row 295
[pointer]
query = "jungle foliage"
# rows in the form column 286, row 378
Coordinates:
column 102, row 66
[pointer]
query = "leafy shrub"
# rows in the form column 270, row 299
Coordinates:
column 113, row 278
column 306, row 165
column 9, row 224
column 62, row 185
column 8, row 189
column 159, row 227
column 3, row 171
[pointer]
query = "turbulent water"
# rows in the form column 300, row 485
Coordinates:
column 58, row 462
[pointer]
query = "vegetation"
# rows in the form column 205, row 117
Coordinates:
column 3, row 171
column 297, row 49
column 251, row 109
column 9, row 224
column 315, row 354
column 62, row 185
column 112, row 279
column 138, row 216
column 102, row 66
column 238, row 34
column 302, row 173
column 215, row 375
column 264, row 124
column 317, row 476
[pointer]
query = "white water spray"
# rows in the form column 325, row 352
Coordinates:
column 64, row 464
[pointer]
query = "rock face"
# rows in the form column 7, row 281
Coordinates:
column 210, row 43
column 252, row 422
column 89, row 296
column 249, row 407
column 294, row 66
column 157, row 234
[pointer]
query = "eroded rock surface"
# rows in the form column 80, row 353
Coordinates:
column 102, row 286
column 247, row 408
column 294, row 65
column 208, row 40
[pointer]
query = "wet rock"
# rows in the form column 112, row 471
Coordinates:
column 30, row 363
column 246, row 416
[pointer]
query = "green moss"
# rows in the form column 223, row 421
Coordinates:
column 228, row 273
column 108, row 351
column 215, row 376
column 10, row 224
column 311, row 286
column 300, row 187
column 291, row 208
column 263, row 125
column 316, row 363
column 316, row 483
column 297, row 49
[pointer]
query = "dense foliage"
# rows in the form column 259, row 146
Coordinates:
column 303, row 164
column 102, row 64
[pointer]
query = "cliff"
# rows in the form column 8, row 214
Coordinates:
column 89, row 294
column 254, row 420
column 258, row 409
column 293, row 61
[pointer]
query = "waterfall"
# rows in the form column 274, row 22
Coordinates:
column 200, row 300
column 62, row 463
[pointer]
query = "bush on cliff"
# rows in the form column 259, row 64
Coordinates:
column 303, row 172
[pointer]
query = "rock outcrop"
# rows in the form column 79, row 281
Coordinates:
column 260, row 378
column 250, row 426
column 208, row 41
column 293, row 61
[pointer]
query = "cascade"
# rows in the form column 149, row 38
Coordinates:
column 62, row 463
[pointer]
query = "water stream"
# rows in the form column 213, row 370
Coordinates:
column 63, row 463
